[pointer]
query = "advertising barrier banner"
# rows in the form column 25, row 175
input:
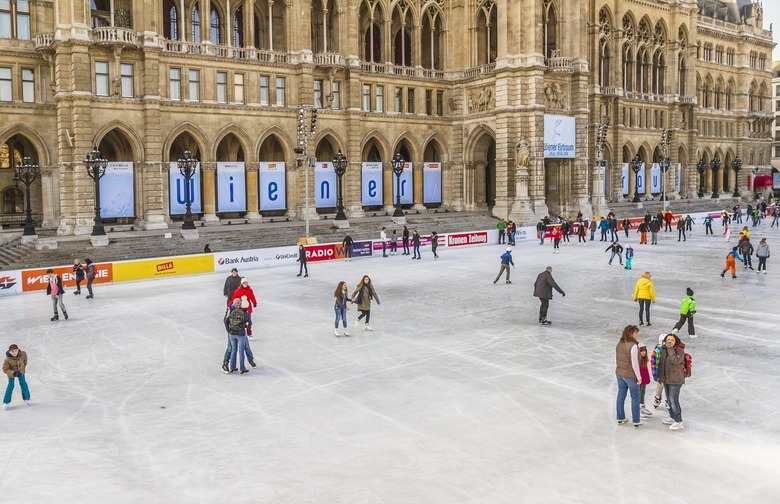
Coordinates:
column 272, row 186
column 361, row 249
column 460, row 239
column 324, row 252
column 407, row 189
column 231, row 187
column 37, row 279
column 324, row 185
column 371, row 184
column 163, row 267
column 431, row 182
column 256, row 258
column 10, row 282
column 178, row 203
column 559, row 137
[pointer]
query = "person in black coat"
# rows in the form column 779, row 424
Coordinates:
column 302, row 259
column 232, row 282
column 405, row 239
column 543, row 287
column 617, row 250
column 348, row 243
column 434, row 244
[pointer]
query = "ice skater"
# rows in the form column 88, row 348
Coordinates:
column 762, row 252
column 626, row 225
column 394, row 243
column 348, row 243
column 383, row 239
column 746, row 249
column 364, row 293
column 708, row 225
column 506, row 260
column 617, row 250
column 340, row 307
column 55, row 290
column 237, row 322
column 556, row 238
column 90, row 272
column 501, row 226
column 78, row 272
column 302, row 259
column 731, row 264
column 543, row 287
column 416, row 245
column 681, row 229
column 435, row 244
column 405, row 240
column 14, row 367
column 644, row 372
column 644, row 293
column 246, row 290
column 687, row 311
column 232, row 282
column 655, row 357
column 229, row 350
column 629, row 257
column 628, row 374
column 671, row 371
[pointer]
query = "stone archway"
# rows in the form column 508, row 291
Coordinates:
column 121, row 201
column 13, row 205
column 483, row 179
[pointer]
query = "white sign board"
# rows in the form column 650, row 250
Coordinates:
column 560, row 135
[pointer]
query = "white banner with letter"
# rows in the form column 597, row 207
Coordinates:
column 231, row 186
column 406, row 186
column 624, row 179
column 679, row 177
column 656, row 184
column 176, row 183
column 117, row 190
column 272, row 185
column 324, row 185
column 560, row 135
column 640, row 180
column 371, row 184
column 431, row 182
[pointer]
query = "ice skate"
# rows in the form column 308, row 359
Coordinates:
column 508, row 282
column 545, row 322
column 677, row 426
column 638, row 424
column 644, row 411
column 245, row 371
column 346, row 333
column 6, row 406
column 252, row 363
column 622, row 421
column 66, row 314
column 336, row 333
column 55, row 317
column 668, row 421
column 656, row 401
column 225, row 368
column 692, row 336
column 28, row 402
column 733, row 276
column 367, row 328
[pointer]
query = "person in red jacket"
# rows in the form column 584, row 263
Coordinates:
column 245, row 290
column 556, row 236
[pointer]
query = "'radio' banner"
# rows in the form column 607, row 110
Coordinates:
column 371, row 184
column 176, row 185
column 231, row 187
column 117, row 191
column 272, row 186
column 406, row 186
column 324, row 185
column 431, row 182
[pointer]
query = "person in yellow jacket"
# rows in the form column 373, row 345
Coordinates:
column 644, row 293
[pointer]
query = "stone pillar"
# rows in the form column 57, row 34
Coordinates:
column 209, row 192
column 353, row 202
column 249, row 23
column 598, row 195
column 252, row 193
column 50, row 195
column 388, row 183
column 417, row 178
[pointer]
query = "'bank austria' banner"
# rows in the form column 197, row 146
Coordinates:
column 406, row 186
column 559, row 137
column 231, row 187
column 324, row 185
column 176, row 183
column 371, row 184
column 431, row 182
column 624, row 179
column 272, row 186
column 655, row 179
column 117, row 191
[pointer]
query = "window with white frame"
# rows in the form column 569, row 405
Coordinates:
column 28, row 85
column 379, row 95
column 280, row 91
column 335, row 91
column 264, row 90
column 221, row 87
column 317, row 94
column 126, row 72
column 174, row 77
column 194, row 85
column 366, row 98
column 6, row 87
column 101, row 78
column 238, row 88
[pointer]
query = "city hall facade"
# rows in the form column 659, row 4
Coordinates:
column 518, row 107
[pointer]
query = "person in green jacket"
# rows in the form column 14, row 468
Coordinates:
column 501, row 231
column 687, row 310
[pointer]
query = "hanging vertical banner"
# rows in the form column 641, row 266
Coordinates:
column 406, row 185
column 117, row 191
column 371, row 184
column 431, row 182
column 324, row 185
column 624, row 179
column 176, row 184
column 679, row 177
column 272, row 186
column 560, row 134
column 231, row 186
column 641, row 186
column 656, row 184
column 603, row 178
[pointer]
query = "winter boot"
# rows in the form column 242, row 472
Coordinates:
column 656, row 401
column 336, row 333
column 66, row 314
column 677, row 426
column 225, row 368
column 55, row 317
column 723, row 274
column 346, row 333
column 368, row 328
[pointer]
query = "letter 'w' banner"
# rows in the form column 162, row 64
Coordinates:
column 371, row 184
column 272, row 186
column 178, row 199
column 231, row 187
column 624, row 179
column 655, row 178
column 431, row 182
column 324, row 185
column 117, row 191
column 406, row 186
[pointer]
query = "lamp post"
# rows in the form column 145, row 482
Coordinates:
column 701, row 167
column 187, row 165
column 715, row 165
column 665, row 164
column 636, row 165
column 736, row 165
column 340, row 166
column 26, row 173
column 306, row 132
column 96, row 168
column 398, row 163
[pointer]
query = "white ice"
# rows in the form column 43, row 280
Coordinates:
column 458, row 396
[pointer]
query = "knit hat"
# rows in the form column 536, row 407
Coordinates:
column 509, row 249
column 244, row 281
column 13, row 347
column 689, row 291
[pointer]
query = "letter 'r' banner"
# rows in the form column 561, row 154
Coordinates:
column 624, row 179
column 231, row 187
column 272, row 186
column 431, row 182
column 324, row 185
column 406, row 186
column 371, row 184
column 176, row 185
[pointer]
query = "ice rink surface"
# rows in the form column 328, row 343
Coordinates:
column 457, row 396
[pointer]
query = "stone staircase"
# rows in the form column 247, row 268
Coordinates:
column 684, row 206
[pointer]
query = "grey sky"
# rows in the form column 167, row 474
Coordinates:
column 772, row 15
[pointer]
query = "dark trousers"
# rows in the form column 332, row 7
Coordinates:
column 708, row 229
column 364, row 313
column 681, row 234
column 545, row 303
column 603, row 235
column 89, row 285
column 302, row 268
column 682, row 320
column 78, row 285
column 644, row 307
column 761, row 263
column 501, row 234
column 384, row 248
column 406, row 246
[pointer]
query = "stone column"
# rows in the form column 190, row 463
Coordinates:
column 353, row 190
column 209, row 192
column 417, row 178
column 252, row 193
column 388, row 183
column 598, row 196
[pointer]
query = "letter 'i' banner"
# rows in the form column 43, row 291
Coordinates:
column 655, row 179
column 640, row 180
column 431, row 182
column 272, row 186
column 406, row 186
column 625, row 179
column 117, row 191
column 324, row 185
column 371, row 184
column 176, row 184
column 231, row 187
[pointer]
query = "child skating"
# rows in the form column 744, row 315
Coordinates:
column 14, row 366
column 644, row 373
column 629, row 257
column 731, row 263
column 687, row 310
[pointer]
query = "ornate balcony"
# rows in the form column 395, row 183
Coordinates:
column 220, row 51
column 43, row 41
column 329, row 59
column 559, row 64
column 113, row 35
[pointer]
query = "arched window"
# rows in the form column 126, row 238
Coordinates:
column 550, row 22
column 270, row 33
column 604, row 62
column 324, row 19
column 402, row 35
column 195, row 24
column 238, row 27
column 628, row 67
column 432, row 35
column 170, row 21
column 371, row 19
column 659, row 73
column 642, row 70
column 487, row 41
column 682, row 74
column 13, row 201
column 215, row 39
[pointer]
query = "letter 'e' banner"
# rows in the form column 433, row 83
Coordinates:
column 272, row 186
column 431, row 182
column 371, row 184
column 406, row 186
column 176, row 183
column 324, row 185
column 231, row 187
column 117, row 191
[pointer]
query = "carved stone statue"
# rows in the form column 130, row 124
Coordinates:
column 523, row 154
column 554, row 96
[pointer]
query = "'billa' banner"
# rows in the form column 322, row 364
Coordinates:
column 431, row 182
column 231, row 187
column 371, row 184
column 624, row 179
column 272, row 186
column 117, row 191
column 406, row 186
column 640, row 180
column 178, row 198
column 324, row 185
column 656, row 184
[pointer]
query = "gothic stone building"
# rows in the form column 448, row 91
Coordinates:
column 464, row 87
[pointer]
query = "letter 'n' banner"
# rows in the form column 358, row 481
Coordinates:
column 231, row 186
column 406, row 186
column 176, row 183
column 117, row 191
column 324, row 185
column 655, row 179
column 272, row 186
column 371, row 184
column 431, row 182
column 624, row 179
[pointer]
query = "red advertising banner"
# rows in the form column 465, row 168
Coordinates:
column 460, row 239
column 37, row 279
column 324, row 252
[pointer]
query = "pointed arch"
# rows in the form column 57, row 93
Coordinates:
column 37, row 142
column 432, row 43
column 271, row 148
column 129, row 135
column 407, row 138
column 376, row 136
column 372, row 19
column 436, row 139
column 324, row 26
column 196, row 142
column 487, row 32
column 550, row 35
column 241, row 136
column 403, row 20
column 327, row 144
column 281, row 135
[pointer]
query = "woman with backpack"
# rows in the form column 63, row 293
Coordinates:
column 364, row 293
column 671, row 372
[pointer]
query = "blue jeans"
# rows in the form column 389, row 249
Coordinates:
column 10, row 389
column 644, row 307
column 416, row 251
column 592, row 233
column 341, row 313
column 612, row 256
column 541, row 236
column 673, row 396
column 238, row 347
column 626, row 385
column 247, row 350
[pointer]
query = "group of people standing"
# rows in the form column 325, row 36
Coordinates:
column 241, row 301
column 56, row 291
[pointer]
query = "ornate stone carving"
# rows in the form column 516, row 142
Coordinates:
column 555, row 96
column 523, row 157
column 482, row 100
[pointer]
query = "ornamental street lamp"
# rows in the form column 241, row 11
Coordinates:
column 398, row 163
column 636, row 165
column 736, row 165
column 26, row 173
column 187, row 165
column 340, row 166
column 715, row 165
column 306, row 132
column 701, row 167
column 664, row 165
column 96, row 168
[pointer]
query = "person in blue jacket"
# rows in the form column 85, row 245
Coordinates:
column 506, row 260
column 731, row 264
column 708, row 225
column 604, row 227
